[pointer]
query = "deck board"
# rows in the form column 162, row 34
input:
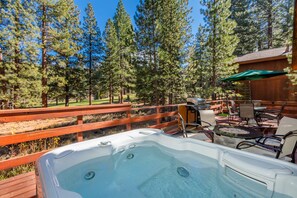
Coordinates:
column 21, row 186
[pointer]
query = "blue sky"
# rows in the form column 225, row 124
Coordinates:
column 105, row 9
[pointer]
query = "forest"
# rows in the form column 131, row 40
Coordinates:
column 47, row 53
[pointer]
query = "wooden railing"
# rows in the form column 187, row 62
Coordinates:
column 217, row 105
column 78, row 129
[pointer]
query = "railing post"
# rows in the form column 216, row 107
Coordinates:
column 158, row 112
column 128, row 126
column 79, row 136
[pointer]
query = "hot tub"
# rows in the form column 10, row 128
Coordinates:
column 148, row 163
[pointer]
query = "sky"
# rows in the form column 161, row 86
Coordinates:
column 105, row 9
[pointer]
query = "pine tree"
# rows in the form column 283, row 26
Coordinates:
column 197, row 72
column 264, row 11
column 19, row 70
column 147, row 43
column 66, row 36
column 246, row 27
column 110, row 75
column 162, row 34
column 221, row 41
column 92, row 47
column 126, row 53
column 3, row 80
column 282, row 30
column 173, row 27
column 45, row 17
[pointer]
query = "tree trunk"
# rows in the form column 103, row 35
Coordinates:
column 128, row 95
column 44, row 56
column 67, row 85
column 121, row 100
column 90, row 71
column 213, row 79
column 110, row 94
column 2, row 73
column 16, row 62
column 294, row 53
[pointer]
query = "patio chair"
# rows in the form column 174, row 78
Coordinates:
column 272, row 114
column 257, row 103
column 202, row 131
column 246, row 112
column 232, row 111
column 280, row 145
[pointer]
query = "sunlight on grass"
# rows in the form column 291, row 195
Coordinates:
column 94, row 102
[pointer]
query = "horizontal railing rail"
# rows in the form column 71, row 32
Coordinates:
column 79, row 128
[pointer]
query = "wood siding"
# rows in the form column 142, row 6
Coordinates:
column 272, row 89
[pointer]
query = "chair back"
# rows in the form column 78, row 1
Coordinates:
column 232, row 107
column 282, row 109
column 285, row 126
column 257, row 103
column 207, row 117
column 246, row 111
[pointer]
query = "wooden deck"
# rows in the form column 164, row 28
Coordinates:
column 21, row 186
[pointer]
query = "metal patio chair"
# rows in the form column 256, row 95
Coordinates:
column 272, row 114
column 246, row 112
column 203, row 131
column 281, row 145
column 232, row 111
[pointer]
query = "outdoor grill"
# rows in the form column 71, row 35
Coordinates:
column 197, row 103
column 193, row 106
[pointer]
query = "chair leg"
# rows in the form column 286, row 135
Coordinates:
column 294, row 152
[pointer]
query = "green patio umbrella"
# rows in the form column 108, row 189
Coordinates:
column 253, row 75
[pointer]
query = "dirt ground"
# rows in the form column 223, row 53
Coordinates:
column 27, row 126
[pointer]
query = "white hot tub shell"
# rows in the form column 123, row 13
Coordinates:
column 278, row 176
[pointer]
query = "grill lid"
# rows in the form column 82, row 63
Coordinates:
column 196, row 101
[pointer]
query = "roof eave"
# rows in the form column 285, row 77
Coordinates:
column 262, row 59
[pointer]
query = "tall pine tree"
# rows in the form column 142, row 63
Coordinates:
column 19, row 69
column 110, row 69
column 245, row 30
column 197, row 72
column 147, row 44
column 162, row 34
column 221, row 41
column 66, row 36
column 127, row 48
column 45, row 17
column 173, row 28
column 92, row 47
column 283, row 28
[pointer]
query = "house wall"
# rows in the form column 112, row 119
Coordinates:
column 273, row 89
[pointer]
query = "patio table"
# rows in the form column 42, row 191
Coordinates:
column 231, row 135
column 260, row 108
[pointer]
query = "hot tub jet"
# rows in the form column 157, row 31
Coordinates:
column 89, row 175
column 183, row 172
column 130, row 156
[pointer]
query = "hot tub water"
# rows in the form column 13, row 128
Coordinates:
column 147, row 163
column 151, row 171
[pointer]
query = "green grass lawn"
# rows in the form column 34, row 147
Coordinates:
column 73, row 103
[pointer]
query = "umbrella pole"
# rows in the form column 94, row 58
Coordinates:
column 250, row 87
